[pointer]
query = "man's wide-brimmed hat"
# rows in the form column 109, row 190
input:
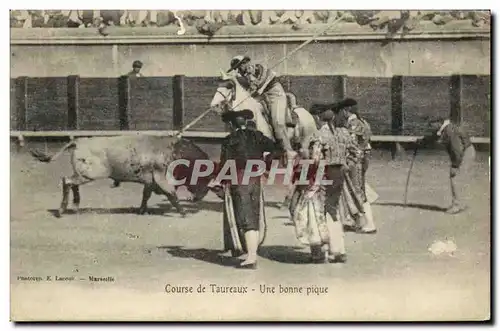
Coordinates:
column 319, row 108
column 237, row 61
column 347, row 103
column 326, row 116
column 230, row 116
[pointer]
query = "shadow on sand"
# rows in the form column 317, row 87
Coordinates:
column 411, row 205
column 276, row 205
column 282, row 254
column 195, row 207
column 159, row 209
column 202, row 254
column 285, row 254
column 163, row 210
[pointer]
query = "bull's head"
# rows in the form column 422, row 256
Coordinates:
column 203, row 186
column 198, row 192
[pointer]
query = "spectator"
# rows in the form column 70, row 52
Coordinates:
column 193, row 17
column 136, row 69
column 480, row 17
column 208, row 28
column 252, row 17
column 289, row 17
column 442, row 18
column 82, row 18
column 153, row 18
column 269, row 17
column 231, row 16
column 307, row 16
column 110, row 17
column 325, row 16
column 346, row 16
column 165, row 17
column 36, row 19
column 74, row 20
column 384, row 18
column 138, row 17
column 56, row 18
column 226, row 17
column 391, row 21
column 20, row 19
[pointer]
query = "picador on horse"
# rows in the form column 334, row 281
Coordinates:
column 276, row 113
column 264, row 85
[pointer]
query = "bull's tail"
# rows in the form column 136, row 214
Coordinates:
column 43, row 157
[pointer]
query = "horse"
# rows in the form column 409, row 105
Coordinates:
column 231, row 95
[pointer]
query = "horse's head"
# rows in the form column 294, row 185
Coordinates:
column 225, row 93
column 224, row 97
column 232, row 94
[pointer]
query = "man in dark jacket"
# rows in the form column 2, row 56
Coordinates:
column 240, row 146
column 462, row 156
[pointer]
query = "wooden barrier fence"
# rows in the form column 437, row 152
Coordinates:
column 397, row 107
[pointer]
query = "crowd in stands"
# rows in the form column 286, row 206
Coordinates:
column 219, row 18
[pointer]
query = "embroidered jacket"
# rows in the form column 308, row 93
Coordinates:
column 339, row 146
column 315, row 153
column 361, row 132
column 259, row 77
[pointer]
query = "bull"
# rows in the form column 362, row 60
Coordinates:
column 140, row 159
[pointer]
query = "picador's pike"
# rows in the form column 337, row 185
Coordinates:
column 140, row 159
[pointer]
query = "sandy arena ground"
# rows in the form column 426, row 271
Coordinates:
column 388, row 276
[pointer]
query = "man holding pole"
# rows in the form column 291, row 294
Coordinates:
column 462, row 156
column 264, row 83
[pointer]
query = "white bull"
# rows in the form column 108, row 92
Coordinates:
column 140, row 159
